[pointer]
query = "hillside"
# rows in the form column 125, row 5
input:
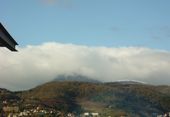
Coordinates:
column 6, row 95
column 114, row 98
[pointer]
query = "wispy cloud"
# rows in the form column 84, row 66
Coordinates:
column 115, row 29
column 61, row 3
column 34, row 65
column 49, row 2
column 160, row 33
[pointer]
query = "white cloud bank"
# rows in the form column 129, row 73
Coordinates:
column 34, row 65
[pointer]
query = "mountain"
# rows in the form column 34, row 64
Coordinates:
column 135, row 100
column 75, row 77
column 128, row 82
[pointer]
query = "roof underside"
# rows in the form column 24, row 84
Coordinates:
column 6, row 39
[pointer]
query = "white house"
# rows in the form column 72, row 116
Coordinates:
column 95, row 114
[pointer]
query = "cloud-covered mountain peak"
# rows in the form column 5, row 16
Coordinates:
column 75, row 77
column 36, row 64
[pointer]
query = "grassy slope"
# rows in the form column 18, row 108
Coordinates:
column 113, row 98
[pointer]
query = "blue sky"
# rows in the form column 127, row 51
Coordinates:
column 107, row 40
column 111, row 23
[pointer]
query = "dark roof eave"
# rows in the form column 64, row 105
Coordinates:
column 6, row 32
column 5, row 44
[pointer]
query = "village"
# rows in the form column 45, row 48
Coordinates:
column 13, row 110
column 9, row 111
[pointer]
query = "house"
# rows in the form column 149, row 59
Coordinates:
column 86, row 114
column 8, row 109
column 70, row 115
column 6, row 40
column 12, row 115
column 95, row 114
